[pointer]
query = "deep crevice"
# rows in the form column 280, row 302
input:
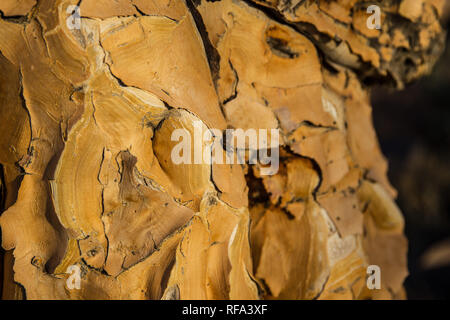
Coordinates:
column 211, row 52
column 235, row 85
column 257, row 193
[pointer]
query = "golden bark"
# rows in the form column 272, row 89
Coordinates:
column 87, row 177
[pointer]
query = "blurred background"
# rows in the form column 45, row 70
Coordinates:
column 413, row 127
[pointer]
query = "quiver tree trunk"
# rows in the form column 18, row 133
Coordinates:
column 87, row 179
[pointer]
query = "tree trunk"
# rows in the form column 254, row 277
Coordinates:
column 88, row 110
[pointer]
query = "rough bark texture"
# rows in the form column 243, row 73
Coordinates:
column 85, row 150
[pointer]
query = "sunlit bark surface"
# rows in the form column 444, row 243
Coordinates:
column 87, row 177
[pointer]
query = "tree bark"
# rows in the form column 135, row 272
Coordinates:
column 87, row 179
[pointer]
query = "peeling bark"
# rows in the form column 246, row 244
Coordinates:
column 87, row 177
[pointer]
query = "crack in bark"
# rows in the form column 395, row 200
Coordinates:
column 235, row 85
column 211, row 52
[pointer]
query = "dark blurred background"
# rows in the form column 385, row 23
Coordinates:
column 413, row 128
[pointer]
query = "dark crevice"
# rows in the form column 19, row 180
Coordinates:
column 142, row 13
column 22, row 289
column 211, row 52
column 219, row 192
column 306, row 29
column 103, row 207
column 289, row 215
column 311, row 124
column 325, row 63
column 138, row 10
column 265, row 290
column 30, row 147
column 235, row 85
column 14, row 19
column 121, row 83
